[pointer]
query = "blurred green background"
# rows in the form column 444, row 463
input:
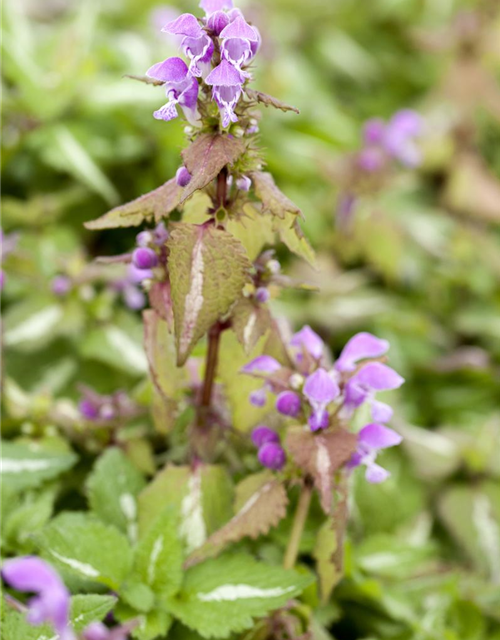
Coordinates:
column 420, row 267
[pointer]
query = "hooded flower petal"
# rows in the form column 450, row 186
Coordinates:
column 170, row 71
column 381, row 412
column 185, row 25
column 224, row 75
column 309, row 340
column 259, row 397
column 227, row 82
column 262, row 364
column 239, row 28
column 377, row 436
column 375, row 474
column 361, row 346
column 181, row 89
column 218, row 21
column 399, row 139
column 320, row 389
column 51, row 604
column 377, row 377
column 211, row 6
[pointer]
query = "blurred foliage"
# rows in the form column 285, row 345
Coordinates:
column 420, row 266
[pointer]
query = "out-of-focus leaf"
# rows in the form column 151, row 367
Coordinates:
column 250, row 322
column 273, row 200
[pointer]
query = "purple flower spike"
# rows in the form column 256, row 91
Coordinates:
column 181, row 89
column 185, row 25
column 227, row 82
column 272, row 456
column 182, row 177
column 360, row 347
column 61, row 285
column 262, row 364
column 240, row 29
column 144, row 258
column 320, row 389
column 211, row 6
column 371, row 439
column 309, row 340
column 374, row 131
column 261, row 435
column 52, row 600
column 288, row 404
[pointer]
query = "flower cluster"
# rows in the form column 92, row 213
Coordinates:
column 52, row 601
column 103, row 408
column 312, row 391
column 271, row 453
column 219, row 49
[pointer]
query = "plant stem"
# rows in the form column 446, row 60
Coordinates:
column 299, row 521
column 211, row 365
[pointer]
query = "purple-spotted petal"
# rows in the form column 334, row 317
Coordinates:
column 262, row 434
column 375, row 474
column 361, row 346
column 262, row 364
column 378, row 377
column 377, row 436
column 320, row 388
column 310, row 340
column 211, row 6
column 170, row 71
column 185, row 25
column 239, row 28
column 288, row 404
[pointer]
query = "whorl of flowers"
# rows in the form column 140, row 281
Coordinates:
column 313, row 392
column 218, row 48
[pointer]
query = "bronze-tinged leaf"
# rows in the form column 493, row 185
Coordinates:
column 250, row 321
column 168, row 379
column 321, row 455
column 325, row 554
column 260, row 504
column 208, row 269
column 272, row 198
column 269, row 101
column 152, row 206
column 473, row 190
column 293, row 237
column 206, row 157
column 160, row 299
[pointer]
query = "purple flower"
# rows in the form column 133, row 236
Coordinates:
column 185, row 25
column 218, row 21
column 262, row 434
column 362, row 387
column 181, row 89
column 182, row 177
column 160, row 234
column 320, row 389
column 262, row 295
column 133, row 297
column 307, row 339
column 135, row 275
column 211, row 6
column 345, row 209
column 374, row 131
column 400, row 134
column 144, row 258
column 371, row 159
column 371, row 439
column 61, row 285
column 88, row 409
column 239, row 43
column 288, row 404
column 52, row 600
column 197, row 45
column 259, row 397
column 262, row 364
column 144, row 238
column 272, row 456
column 226, row 81
column 244, row 183
column 360, row 347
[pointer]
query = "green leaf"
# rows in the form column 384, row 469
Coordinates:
column 261, row 502
column 32, row 323
column 250, row 321
column 152, row 206
column 324, row 554
column 293, row 237
column 151, row 625
column 25, row 466
column 27, row 518
column 159, row 556
column 90, row 608
column 253, row 229
column 117, row 346
column 206, row 157
column 208, row 269
column 224, row 595
column 87, row 548
column 138, row 595
column 112, row 489
column 273, row 200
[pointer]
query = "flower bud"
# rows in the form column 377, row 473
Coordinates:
column 182, row 177
column 296, row 381
column 274, row 267
column 61, row 285
column 272, row 456
column 288, row 404
column 262, row 295
column 144, row 238
column 160, row 234
column 262, row 434
column 88, row 409
column 244, row 183
column 217, row 22
column 144, row 258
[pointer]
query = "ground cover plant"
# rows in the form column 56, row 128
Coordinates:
column 227, row 415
